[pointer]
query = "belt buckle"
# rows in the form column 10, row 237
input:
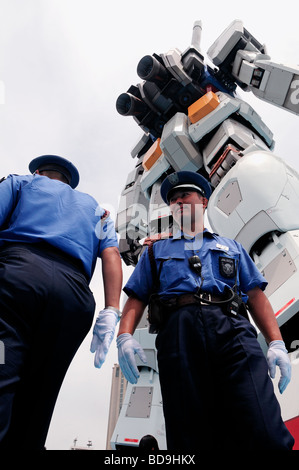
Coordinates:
column 206, row 296
column 202, row 296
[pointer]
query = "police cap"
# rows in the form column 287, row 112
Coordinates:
column 185, row 179
column 53, row 162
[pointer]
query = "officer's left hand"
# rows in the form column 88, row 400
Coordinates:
column 277, row 355
column 103, row 333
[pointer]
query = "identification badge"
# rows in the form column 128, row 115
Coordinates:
column 227, row 267
column 222, row 247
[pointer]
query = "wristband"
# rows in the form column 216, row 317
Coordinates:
column 118, row 312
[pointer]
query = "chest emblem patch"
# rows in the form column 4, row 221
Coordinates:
column 227, row 267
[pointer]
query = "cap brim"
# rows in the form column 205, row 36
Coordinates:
column 193, row 187
column 55, row 159
column 186, row 178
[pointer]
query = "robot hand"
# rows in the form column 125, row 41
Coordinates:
column 103, row 333
column 127, row 348
column 278, row 356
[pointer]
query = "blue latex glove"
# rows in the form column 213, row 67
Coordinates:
column 103, row 333
column 127, row 348
column 277, row 355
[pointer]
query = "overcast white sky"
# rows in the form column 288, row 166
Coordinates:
column 63, row 64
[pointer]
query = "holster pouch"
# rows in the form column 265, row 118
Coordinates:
column 243, row 311
column 157, row 313
column 235, row 304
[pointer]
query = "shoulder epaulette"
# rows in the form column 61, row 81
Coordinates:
column 157, row 237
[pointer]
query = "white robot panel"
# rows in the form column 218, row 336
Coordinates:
column 141, row 414
column 259, row 188
column 176, row 144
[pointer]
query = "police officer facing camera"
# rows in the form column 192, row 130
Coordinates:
column 214, row 379
column 50, row 238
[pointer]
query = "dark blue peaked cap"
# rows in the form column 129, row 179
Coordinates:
column 185, row 178
column 71, row 173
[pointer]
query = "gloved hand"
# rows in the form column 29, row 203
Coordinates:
column 277, row 355
column 103, row 333
column 127, row 348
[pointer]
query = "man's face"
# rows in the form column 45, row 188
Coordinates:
column 187, row 207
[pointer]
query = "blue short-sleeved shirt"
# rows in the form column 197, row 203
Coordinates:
column 35, row 208
column 224, row 262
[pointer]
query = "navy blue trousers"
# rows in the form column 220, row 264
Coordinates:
column 46, row 310
column 215, row 386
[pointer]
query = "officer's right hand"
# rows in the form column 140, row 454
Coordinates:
column 103, row 334
column 127, row 348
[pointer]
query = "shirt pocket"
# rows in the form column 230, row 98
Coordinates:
column 171, row 270
column 225, row 265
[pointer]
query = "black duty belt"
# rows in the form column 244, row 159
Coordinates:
column 159, row 309
column 204, row 298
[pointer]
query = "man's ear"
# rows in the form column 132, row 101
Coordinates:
column 205, row 202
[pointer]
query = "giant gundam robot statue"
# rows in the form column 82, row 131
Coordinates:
column 192, row 119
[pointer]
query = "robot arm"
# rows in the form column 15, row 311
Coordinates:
column 275, row 83
column 238, row 54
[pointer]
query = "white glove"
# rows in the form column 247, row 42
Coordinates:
column 127, row 348
column 277, row 355
column 103, row 333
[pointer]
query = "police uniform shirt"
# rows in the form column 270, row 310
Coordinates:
column 223, row 262
column 35, row 208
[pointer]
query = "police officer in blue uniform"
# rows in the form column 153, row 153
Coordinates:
column 214, row 379
column 50, row 238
